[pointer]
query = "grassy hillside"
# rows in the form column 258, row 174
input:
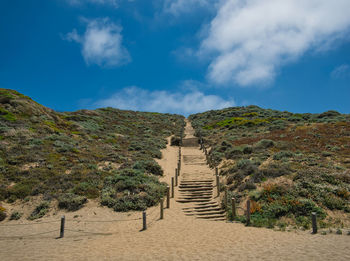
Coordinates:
column 106, row 154
column 288, row 164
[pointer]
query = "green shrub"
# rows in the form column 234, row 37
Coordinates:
column 22, row 189
column 175, row 141
column 40, row 211
column 131, row 189
column 247, row 149
column 16, row 215
column 283, row 154
column 276, row 170
column 149, row 166
column 233, row 153
column 3, row 214
column 264, row 144
column 86, row 189
column 333, row 202
column 71, row 202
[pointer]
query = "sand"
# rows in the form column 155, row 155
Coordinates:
column 176, row 237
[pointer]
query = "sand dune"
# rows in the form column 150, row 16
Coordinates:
column 177, row 237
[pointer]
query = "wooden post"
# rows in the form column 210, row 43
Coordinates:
column 161, row 208
column 248, row 212
column 314, row 223
column 168, row 197
column 226, row 193
column 216, row 171
column 176, row 177
column 63, row 221
column 218, row 185
column 172, row 187
column 144, row 222
column 178, row 167
column 233, row 202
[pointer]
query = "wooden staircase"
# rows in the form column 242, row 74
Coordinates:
column 199, row 194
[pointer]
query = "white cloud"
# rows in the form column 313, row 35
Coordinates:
column 249, row 40
column 342, row 71
column 101, row 43
column 192, row 101
column 178, row 7
column 113, row 3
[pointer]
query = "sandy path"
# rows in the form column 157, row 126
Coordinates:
column 177, row 237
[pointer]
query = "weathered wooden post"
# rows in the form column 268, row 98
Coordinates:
column 178, row 167
column 314, row 223
column 218, row 185
column 176, row 177
column 248, row 212
column 63, row 221
column 226, row 198
column 172, row 187
column 233, row 202
column 168, row 197
column 161, row 208
column 216, row 171
column 144, row 221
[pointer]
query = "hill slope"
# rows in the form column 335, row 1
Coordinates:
column 104, row 153
column 288, row 164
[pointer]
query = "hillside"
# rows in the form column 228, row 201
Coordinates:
column 105, row 154
column 288, row 164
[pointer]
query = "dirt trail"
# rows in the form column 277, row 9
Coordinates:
column 177, row 237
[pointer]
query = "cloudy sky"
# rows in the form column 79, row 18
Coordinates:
column 178, row 56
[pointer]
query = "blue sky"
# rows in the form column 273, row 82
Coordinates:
column 178, row 56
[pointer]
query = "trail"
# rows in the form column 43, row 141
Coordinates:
column 178, row 236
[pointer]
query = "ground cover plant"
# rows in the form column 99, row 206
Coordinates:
column 74, row 156
column 287, row 164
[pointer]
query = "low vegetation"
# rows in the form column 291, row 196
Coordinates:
column 287, row 164
column 70, row 157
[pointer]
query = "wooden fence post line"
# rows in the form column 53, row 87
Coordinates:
column 176, row 177
column 168, row 197
column 233, row 202
column 161, row 208
column 314, row 223
column 144, row 221
column 63, row 221
column 218, row 185
column 172, row 187
column 248, row 212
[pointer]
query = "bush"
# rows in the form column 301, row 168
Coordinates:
column 275, row 170
column 22, row 189
column 40, row 211
column 86, row 189
column 333, row 202
column 233, row 153
column 249, row 185
column 3, row 214
column 283, row 154
column 175, row 141
column 131, row 189
column 71, row 202
column 264, row 144
column 247, row 149
column 16, row 215
column 149, row 166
